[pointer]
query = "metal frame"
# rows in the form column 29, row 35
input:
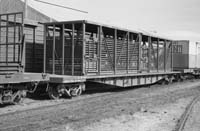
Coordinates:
column 73, row 49
column 139, row 52
column 100, row 42
column 63, row 49
column 127, row 52
column 149, row 53
column 53, row 53
column 115, row 50
column 99, row 49
column 165, row 56
column 7, row 39
column 83, row 55
column 45, row 47
column 158, row 40
column 15, row 22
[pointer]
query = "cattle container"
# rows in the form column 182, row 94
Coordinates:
column 85, row 48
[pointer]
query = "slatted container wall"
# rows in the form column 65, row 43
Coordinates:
column 29, row 36
column 68, row 55
column 153, row 57
column 78, row 50
column 111, row 51
column 33, row 61
column 11, row 39
column 133, row 54
column 103, row 50
column 38, row 48
column 10, row 42
column 144, row 56
column 72, row 50
column 75, row 66
column 121, row 60
column 107, row 51
column 161, row 55
column 34, row 48
column 168, row 56
column 53, row 35
column 124, row 52
column 91, row 52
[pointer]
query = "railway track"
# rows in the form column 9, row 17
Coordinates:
column 92, row 94
column 185, row 116
column 108, row 93
column 91, row 107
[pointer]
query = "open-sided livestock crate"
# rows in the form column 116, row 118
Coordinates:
column 88, row 48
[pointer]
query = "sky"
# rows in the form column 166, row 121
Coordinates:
column 175, row 19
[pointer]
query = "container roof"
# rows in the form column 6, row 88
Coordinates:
column 108, row 26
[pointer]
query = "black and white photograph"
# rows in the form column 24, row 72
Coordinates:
column 99, row 65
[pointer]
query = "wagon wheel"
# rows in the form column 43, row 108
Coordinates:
column 76, row 91
column 54, row 92
column 17, row 98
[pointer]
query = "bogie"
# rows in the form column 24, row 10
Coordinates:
column 9, row 96
column 55, row 91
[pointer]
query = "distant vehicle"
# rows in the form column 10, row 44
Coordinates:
column 186, row 56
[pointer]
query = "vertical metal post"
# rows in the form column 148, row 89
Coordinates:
column 6, row 39
column 25, row 9
column 20, row 33
column 83, row 48
column 23, row 58
column 19, row 37
column 149, row 53
column 158, row 55
column 73, row 49
column 63, row 49
column 34, row 44
column 171, row 54
column 115, row 51
column 0, row 35
column 139, row 52
column 127, row 52
column 14, row 37
column 53, row 52
column 165, row 59
column 44, row 58
column 99, row 48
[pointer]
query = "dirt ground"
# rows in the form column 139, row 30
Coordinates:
column 143, row 109
column 161, row 118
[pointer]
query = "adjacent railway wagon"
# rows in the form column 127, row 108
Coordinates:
column 21, row 55
column 60, row 58
column 186, row 56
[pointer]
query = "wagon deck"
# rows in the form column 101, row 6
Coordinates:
column 23, row 78
column 66, row 79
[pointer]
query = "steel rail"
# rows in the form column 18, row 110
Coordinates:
column 117, row 91
column 186, row 114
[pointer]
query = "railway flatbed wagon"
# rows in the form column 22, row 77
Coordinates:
column 105, row 54
column 16, row 58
